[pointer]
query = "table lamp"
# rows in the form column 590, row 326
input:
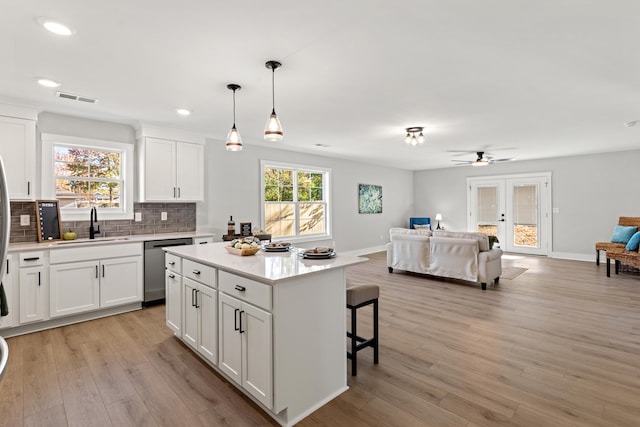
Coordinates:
column 438, row 218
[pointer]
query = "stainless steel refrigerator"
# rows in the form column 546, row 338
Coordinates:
column 5, row 215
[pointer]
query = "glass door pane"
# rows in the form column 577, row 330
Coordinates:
column 525, row 227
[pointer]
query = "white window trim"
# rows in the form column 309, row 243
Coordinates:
column 48, row 185
column 327, row 195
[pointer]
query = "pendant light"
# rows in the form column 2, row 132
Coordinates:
column 234, row 142
column 273, row 129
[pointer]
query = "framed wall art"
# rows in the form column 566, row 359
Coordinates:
column 369, row 199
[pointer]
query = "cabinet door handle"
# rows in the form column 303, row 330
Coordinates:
column 197, row 292
column 178, row 192
column 39, row 283
column 241, row 331
column 174, row 192
column 193, row 297
column 35, row 258
column 235, row 320
column 28, row 188
column 7, row 266
column 196, row 272
column 103, row 270
column 203, row 243
column 96, row 271
column 171, row 276
column 172, row 263
column 240, row 288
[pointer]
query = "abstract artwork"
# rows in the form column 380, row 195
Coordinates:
column 369, row 198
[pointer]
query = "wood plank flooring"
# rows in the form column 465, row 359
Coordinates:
column 559, row 345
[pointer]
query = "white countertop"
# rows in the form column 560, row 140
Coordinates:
column 138, row 238
column 267, row 267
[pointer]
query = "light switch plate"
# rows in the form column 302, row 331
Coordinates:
column 25, row 220
column 163, row 216
column 137, row 216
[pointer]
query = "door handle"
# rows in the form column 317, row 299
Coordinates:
column 241, row 331
column 235, row 320
column 172, row 263
column 240, row 288
column 178, row 192
column 193, row 296
column 35, row 258
column 197, row 292
column 39, row 283
column 174, row 192
column 96, row 271
column 196, row 272
column 103, row 270
column 172, row 276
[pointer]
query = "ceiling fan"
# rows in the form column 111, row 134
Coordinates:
column 482, row 160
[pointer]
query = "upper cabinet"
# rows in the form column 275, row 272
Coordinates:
column 18, row 150
column 171, row 166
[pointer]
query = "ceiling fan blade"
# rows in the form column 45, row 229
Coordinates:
column 504, row 159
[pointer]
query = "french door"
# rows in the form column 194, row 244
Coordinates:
column 515, row 208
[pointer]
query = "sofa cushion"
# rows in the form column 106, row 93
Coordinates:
column 634, row 242
column 622, row 234
column 483, row 240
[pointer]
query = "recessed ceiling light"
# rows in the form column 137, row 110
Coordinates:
column 632, row 123
column 56, row 27
column 48, row 83
column 321, row 145
column 183, row 111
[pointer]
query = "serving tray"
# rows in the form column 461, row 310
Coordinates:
column 242, row 252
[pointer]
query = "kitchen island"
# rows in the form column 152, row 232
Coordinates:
column 273, row 323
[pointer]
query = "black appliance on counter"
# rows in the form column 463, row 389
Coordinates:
column 154, row 268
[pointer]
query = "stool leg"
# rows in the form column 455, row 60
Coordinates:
column 354, row 343
column 375, row 331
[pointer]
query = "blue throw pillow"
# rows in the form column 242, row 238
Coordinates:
column 634, row 242
column 622, row 234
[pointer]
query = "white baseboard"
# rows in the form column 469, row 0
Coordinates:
column 577, row 256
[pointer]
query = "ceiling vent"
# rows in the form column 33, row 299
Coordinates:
column 71, row 96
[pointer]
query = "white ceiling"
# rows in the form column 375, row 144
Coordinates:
column 516, row 78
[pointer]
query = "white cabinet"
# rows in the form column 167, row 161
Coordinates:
column 245, row 342
column 200, row 309
column 173, row 293
column 87, row 279
column 121, row 281
column 171, row 170
column 9, row 284
column 74, row 287
column 34, row 287
column 18, row 151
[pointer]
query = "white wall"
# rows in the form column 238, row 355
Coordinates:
column 590, row 191
column 233, row 188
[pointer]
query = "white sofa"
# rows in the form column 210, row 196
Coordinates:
column 457, row 255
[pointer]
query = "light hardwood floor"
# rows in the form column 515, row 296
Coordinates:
column 557, row 346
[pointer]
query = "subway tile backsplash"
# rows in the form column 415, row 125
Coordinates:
column 181, row 217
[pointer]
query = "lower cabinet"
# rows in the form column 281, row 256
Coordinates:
column 9, row 284
column 200, row 309
column 34, row 286
column 88, row 279
column 89, row 285
column 245, row 347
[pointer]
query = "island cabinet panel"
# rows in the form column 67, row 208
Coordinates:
column 173, row 305
column 200, row 317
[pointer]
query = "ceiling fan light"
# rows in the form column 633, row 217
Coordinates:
column 273, row 129
column 414, row 141
column 407, row 138
column 480, row 163
column 421, row 138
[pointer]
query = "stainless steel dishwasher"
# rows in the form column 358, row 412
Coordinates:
column 154, row 268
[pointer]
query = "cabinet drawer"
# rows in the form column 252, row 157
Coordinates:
column 202, row 240
column 199, row 272
column 90, row 252
column 245, row 289
column 30, row 259
column 173, row 263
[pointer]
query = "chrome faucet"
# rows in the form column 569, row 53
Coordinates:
column 93, row 218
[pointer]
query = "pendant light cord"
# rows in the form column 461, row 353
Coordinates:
column 234, row 108
column 273, row 90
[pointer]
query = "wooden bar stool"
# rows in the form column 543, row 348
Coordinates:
column 360, row 296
